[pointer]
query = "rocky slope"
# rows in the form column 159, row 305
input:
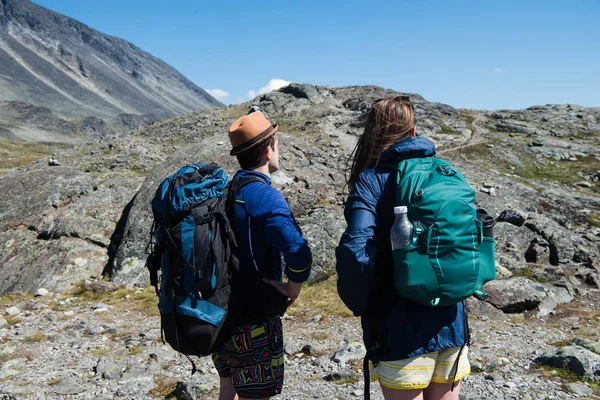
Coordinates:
column 57, row 63
column 102, row 342
column 535, row 169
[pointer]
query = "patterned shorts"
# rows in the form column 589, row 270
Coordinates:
column 418, row 372
column 253, row 359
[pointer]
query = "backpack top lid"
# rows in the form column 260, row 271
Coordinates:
column 189, row 186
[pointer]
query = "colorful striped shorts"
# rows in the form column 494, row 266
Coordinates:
column 418, row 372
column 253, row 359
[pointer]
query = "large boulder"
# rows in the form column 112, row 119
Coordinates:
column 521, row 294
column 581, row 361
column 59, row 231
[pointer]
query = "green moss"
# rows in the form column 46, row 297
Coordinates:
column 545, row 170
column 165, row 385
column 348, row 381
column 594, row 220
column 529, row 273
column 582, row 135
column 448, row 131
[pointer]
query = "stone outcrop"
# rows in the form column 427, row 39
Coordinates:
column 98, row 198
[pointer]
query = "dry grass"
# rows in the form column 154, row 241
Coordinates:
column 322, row 335
column 100, row 352
column 35, row 338
column 16, row 154
column 140, row 300
column 320, row 298
column 54, row 381
column 11, row 299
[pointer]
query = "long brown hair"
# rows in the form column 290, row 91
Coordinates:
column 389, row 121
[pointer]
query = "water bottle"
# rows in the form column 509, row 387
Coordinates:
column 402, row 229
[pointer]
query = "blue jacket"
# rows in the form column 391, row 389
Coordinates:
column 393, row 328
column 265, row 229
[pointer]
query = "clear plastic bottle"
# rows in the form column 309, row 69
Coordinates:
column 402, row 229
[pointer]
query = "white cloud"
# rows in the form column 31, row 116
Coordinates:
column 498, row 70
column 273, row 84
column 218, row 94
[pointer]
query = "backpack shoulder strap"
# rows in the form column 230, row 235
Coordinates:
column 234, row 188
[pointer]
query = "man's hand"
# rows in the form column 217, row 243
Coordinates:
column 289, row 289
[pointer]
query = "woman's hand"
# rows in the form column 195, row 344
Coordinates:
column 289, row 289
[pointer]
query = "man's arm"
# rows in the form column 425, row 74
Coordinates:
column 286, row 236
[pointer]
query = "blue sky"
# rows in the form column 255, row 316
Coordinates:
column 471, row 54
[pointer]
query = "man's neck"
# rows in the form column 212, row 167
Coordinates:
column 264, row 169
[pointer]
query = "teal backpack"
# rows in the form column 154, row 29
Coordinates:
column 449, row 258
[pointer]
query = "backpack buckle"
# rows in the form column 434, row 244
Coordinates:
column 205, row 218
column 446, row 170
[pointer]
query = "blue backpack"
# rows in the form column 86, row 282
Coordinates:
column 192, row 264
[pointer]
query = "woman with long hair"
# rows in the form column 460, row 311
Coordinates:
column 415, row 351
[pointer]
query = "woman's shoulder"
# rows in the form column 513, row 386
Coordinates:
column 371, row 180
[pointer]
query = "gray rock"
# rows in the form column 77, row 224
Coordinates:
column 95, row 330
column 512, row 217
column 189, row 391
column 555, row 297
column 12, row 311
column 101, row 307
column 574, row 358
column 152, row 334
column 3, row 322
column 516, row 294
column 291, row 345
column 8, row 348
column 315, row 318
column 584, row 184
column 42, row 292
column 6, row 372
column 305, row 91
column 349, row 351
column 108, row 368
column 579, row 389
column 484, row 310
column 591, row 345
column 68, row 386
column 339, row 375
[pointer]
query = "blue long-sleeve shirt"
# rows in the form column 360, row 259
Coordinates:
column 266, row 230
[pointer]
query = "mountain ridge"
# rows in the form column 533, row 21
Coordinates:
column 54, row 61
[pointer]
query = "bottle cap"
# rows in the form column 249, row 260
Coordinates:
column 400, row 210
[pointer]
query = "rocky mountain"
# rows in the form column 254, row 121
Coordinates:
column 536, row 170
column 60, row 66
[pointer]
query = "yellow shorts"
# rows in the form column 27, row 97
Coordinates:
column 418, row 372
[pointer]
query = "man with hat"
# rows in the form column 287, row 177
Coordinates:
column 251, row 362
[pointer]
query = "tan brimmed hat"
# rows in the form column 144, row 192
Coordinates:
column 249, row 131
